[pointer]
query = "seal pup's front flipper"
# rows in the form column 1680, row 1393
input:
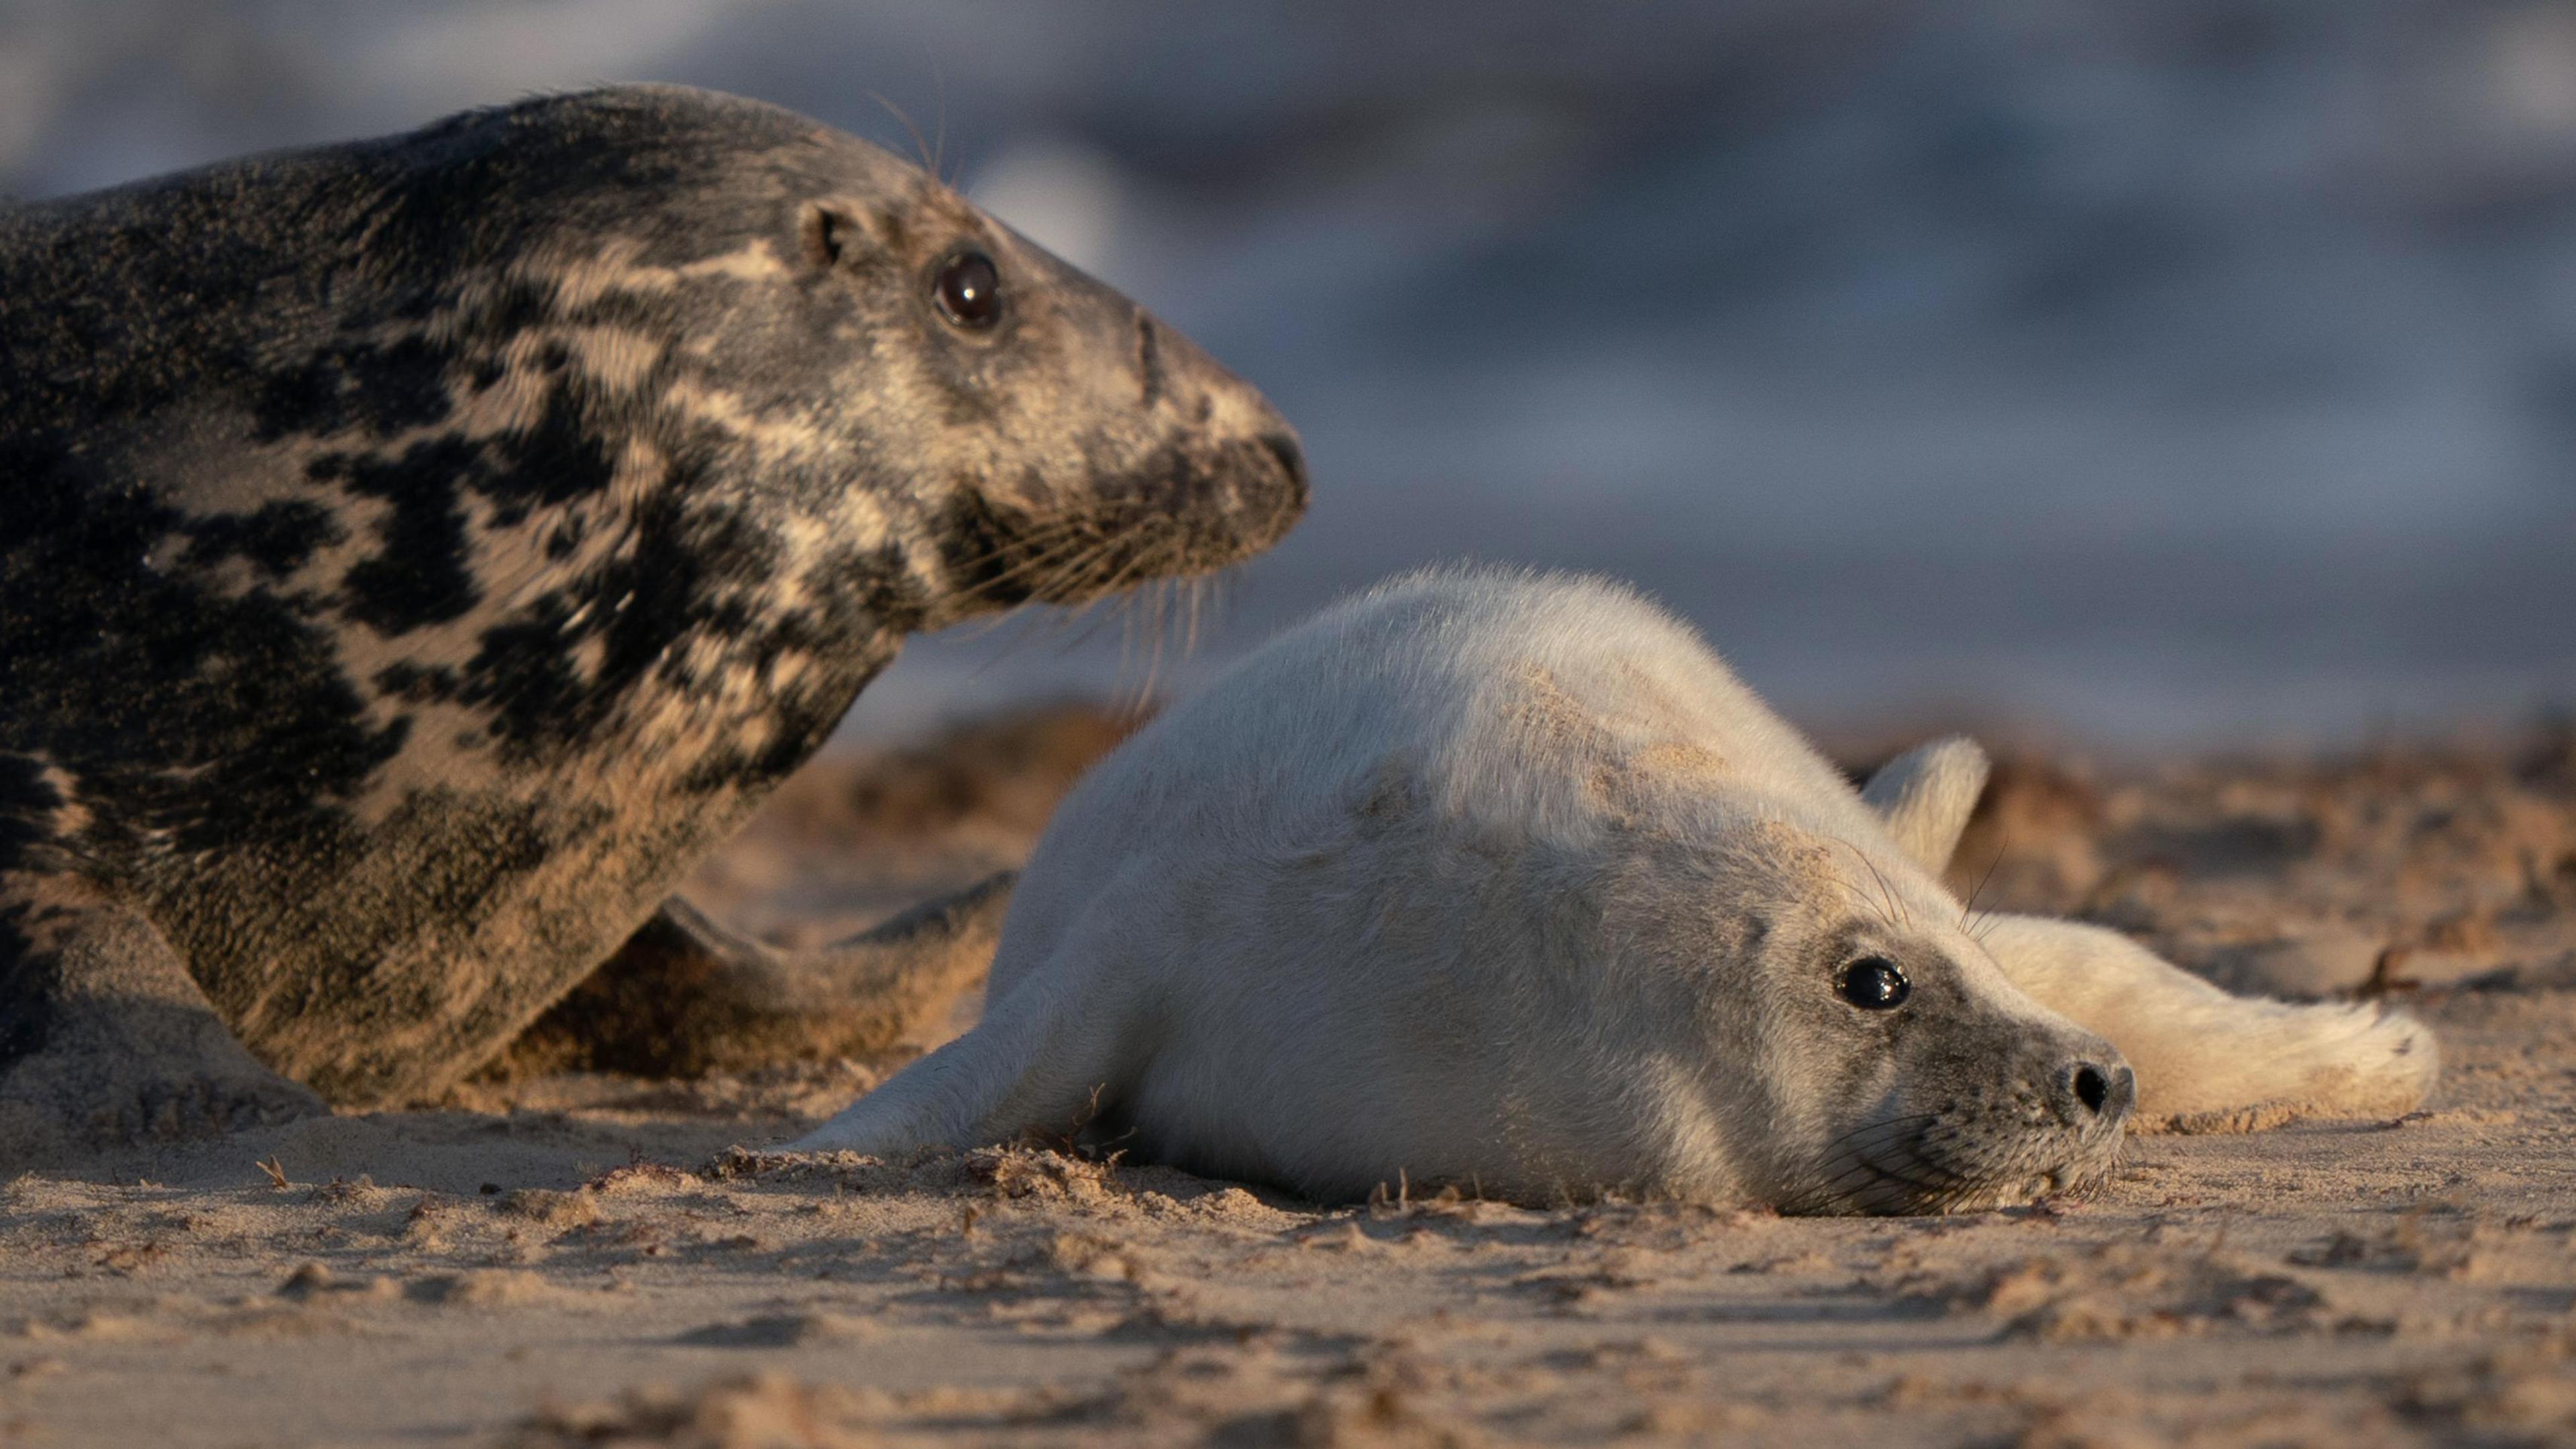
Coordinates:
column 1046, row 1058
column 104, row 1037
column 685, row 996
column 2200, row 1051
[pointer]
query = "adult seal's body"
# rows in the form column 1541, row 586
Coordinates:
column 1505, row 882
column 414, row 554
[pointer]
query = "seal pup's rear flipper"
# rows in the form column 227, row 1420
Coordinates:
column 2198, row 1050
column 1924, row 797
column 685, row 996
column 1044, row 1059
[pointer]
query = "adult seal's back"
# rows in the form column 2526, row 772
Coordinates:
column 414, row 554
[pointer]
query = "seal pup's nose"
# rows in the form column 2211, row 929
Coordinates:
column 2100, row 1091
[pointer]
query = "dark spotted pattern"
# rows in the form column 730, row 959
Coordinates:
column 206, row 716
column 414, row 553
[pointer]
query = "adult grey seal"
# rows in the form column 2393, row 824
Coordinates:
column 414, row 554
column 1504, row 881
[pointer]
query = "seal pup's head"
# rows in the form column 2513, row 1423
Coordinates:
column 1862, row 1052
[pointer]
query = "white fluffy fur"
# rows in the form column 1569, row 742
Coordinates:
column 1489, row 878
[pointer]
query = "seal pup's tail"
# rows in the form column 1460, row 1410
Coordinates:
column 2201, row 1054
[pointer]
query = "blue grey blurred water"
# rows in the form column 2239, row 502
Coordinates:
column 2204, row 373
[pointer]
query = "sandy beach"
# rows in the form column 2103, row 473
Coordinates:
column 585, row 1260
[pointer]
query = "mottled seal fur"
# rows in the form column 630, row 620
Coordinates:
column 1505, row 882
column 415, row 553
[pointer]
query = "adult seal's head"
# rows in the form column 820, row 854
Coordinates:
column 415, row 553
column 732, row 300
column 882, row 357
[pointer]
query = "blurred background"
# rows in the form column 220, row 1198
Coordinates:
column 2185, row 374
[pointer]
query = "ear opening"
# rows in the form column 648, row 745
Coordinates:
column 825, row 234
column 1925, row 796
column 837, row 231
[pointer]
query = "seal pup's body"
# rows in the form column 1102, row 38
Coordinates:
column 415, row 554
column 1505, row 882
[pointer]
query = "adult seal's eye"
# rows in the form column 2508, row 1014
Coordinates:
column 969, row 290
column 1873, row 983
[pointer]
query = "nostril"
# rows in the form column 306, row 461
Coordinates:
column 1292, row 459
column 2091, row 1087
column 1149, row 359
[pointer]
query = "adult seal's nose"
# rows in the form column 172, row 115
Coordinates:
column 1292, row 459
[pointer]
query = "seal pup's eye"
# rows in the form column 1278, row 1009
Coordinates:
column 969, row 289
column 1873, row 983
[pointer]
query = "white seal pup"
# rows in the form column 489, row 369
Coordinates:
column 1503, row 880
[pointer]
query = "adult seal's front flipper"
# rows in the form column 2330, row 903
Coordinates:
column 105, row 1039
column 685, row 996
column 418, row 554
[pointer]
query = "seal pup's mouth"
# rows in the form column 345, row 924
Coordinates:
column 1929, row 1163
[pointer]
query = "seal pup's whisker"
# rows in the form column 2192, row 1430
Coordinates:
column 1968, row 909
column 1883, row 902
column 1905, row 918
column 1864, row 1149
